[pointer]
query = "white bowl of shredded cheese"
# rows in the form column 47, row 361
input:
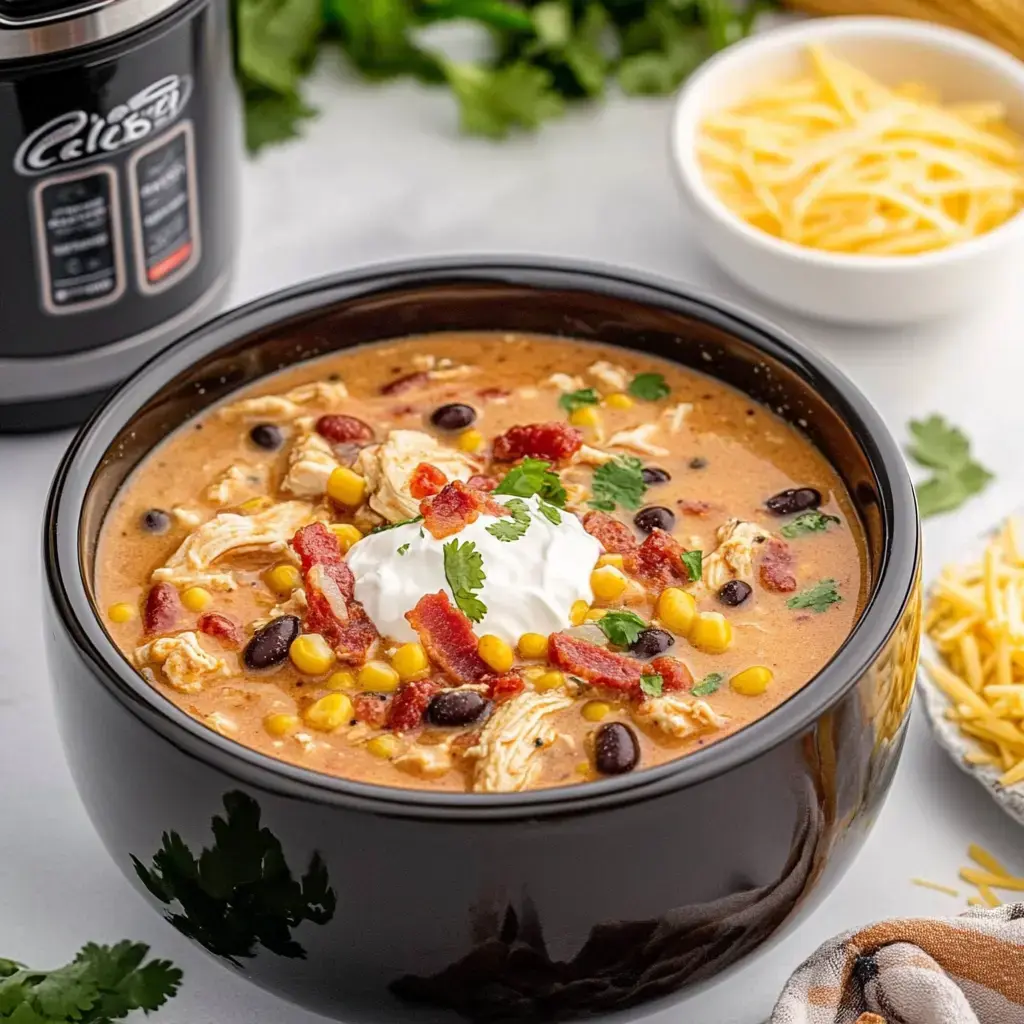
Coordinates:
column 861, row 170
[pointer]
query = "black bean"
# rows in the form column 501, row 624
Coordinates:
column 655, row 475
column 734, row 592
column 655, row 517
column 267, row 436
column 454, row 416
column 156, row 520
column 456, row 707
column 616, row 750
column 651, row 642
column 797, row 499
column 269, row 645
column 698, row 462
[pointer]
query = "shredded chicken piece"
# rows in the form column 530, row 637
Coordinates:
column 189, row 517
column 311, row 462
column 638, row 439
column 186, row 664
column 237, row 483
column 279, row 408
column 429, row 761
column 510, row 751
column 609, row 374
column 387, row 468
column 220, row 722
column 678, row 716
column 443, row 368
column 733, row 559
column 676, row 416
column 270, row 531
column 564, row 382
column 590, row 456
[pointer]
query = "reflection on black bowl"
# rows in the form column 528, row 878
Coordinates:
column 372, row 904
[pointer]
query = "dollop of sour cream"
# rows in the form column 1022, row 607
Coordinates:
column 530, row 583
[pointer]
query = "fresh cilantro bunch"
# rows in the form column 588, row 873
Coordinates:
column 102, row 984
column 544, row 53
column 946, row 451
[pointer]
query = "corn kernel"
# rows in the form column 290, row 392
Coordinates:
column 281, row 725
column 533, row 645
column 677, row 610
column 595, row 710
column 340, row 681
column 346, row 487
column 311, row 654
column 471, row 440
column 549, row 681
column 535, row 672
column 196, row 599
column 596, row 614
column 752, row 682
column 378, row 676
column 711, row 632
column 122, row 612
column 329, row 712
column 498, row 654
column 616, row 561
column 583, row 768
column 255, row 505
column 585, row 416
column 410, row 662
column 383, row 746
column 607, row 583
column 346, row 533
column 283, row 579
column 619, row 401
column 578, row 612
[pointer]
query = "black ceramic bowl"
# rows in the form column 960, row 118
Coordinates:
column 374, row 904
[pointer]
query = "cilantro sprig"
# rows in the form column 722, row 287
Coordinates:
column 808, row 522
column 530, row 477
column 956, row 476
column 693, row 561
column 514, row 528
column 622, row 627
column 652, row 685
column 817, row 598
column 618, row 482
column 649, row 387
column 573, row 400
column 708, row 685
column 464, row 571
column 384, row 527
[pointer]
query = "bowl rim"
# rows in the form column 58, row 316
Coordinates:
column 687, row 112
column 897, row 574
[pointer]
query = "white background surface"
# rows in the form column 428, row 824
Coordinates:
column 381, row 175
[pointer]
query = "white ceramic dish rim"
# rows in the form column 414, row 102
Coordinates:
column 685, row 121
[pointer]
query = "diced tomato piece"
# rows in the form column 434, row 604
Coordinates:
column 371, row 708
column 505, row 687
column 455, row 507
column 616, row 537
column 406, row 383
column 426, row 480
column 340, row 429
column 552, row 441
column 482, row 483
column 693, row 508
column 659, row 561
column 163, row 608
column 448, row 638
column 674, row 674
column 410, row 701
column 316, row 545
column 596, row 665
column 777, row 567
column 220, row 626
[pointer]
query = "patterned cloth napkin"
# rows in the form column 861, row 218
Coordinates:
column 960, row 970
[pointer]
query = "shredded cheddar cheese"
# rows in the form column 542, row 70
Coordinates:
column 840, row 162
column 993, row 876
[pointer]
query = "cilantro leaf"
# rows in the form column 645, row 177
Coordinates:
column 493, row 102
column 621, row 627
column 270, row 118
column 620, row 481
column 945, row 450
column 573, row 400
column 394, row 526
column 817, row 598
column 464, row 571
column 651, row 685
column 649, row 387
column 514, row 528
column 549, row 512
column 808, row 522
column 708, row 685
column 402, row 550
column 694, row 562
column 530, row 477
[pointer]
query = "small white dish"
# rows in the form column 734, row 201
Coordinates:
column 838, row 287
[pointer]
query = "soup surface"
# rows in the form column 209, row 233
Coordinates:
column 482, row 562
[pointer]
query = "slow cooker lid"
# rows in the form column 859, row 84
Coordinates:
column 18, row 13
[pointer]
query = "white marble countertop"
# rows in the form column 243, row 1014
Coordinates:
column 382, row 174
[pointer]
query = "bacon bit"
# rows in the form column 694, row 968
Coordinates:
column 489, row 394
column 220, row 626
column 316, row 545
column 595, row 664
column 617, row 538
column 371, row 708
column 410, row 701
column 693, row 508
column 552, row 441
column 777, row 567
column 482, row 483
column 426, row 480
column 674, row 674
column 340, row 429
column 448, row 638
column 455, row 507
column 659, row 561
column 406, row 383
column 502, row 688
column 163, row 608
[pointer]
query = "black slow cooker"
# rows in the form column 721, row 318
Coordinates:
column 119, row 147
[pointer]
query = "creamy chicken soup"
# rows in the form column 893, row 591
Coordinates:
column 482, row 562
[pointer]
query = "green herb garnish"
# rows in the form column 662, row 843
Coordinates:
column 464, row 571
column 817, row 598
column 651, row 685
column 694, row 562
column 514, row 528
column 394, row 526
column 946, row 451
column 549, row 512
column 530, row 477
column 711, row 682
column 649, row 387
column 573, row 400
column 808, row 522
column 620, row 481
column 621, row 627
column 402, row 550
